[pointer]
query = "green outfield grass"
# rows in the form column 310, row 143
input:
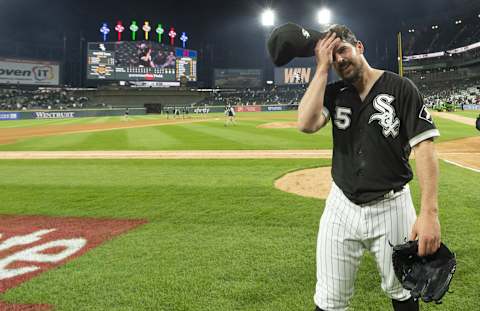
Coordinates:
column 208, row 135
column 468, row 113
column 219, row 237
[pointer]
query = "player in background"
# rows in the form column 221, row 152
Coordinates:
column 229, row 115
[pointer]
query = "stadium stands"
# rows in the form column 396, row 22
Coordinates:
column 283, row 95
column 449, row 35
column 452, row 76
column 13, row 98
column 457, row 94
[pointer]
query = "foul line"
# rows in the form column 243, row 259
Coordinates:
column 462, row 166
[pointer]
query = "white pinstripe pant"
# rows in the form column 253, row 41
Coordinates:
column 346, row 231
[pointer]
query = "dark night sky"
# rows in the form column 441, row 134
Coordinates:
column 230, row 29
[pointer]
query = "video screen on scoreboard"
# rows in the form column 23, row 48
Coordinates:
column 140, row 61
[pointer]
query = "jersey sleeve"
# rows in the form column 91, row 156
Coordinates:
column 417, row 120
column 328, row 101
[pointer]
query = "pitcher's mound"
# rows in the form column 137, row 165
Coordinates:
column 313, row 183
column 278, row 125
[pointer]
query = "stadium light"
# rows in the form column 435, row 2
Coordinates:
column 268, row 18
column 324, row 16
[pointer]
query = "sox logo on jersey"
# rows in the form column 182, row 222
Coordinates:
column 305, row 33
column 386, row 115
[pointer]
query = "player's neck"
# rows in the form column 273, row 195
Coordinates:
column 367, row 79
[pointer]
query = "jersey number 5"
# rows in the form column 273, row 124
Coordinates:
column 342, row 117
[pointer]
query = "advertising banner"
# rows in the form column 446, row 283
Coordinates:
column 4, row 116
column 53, row 115
column 293, row 75
column 248, row 108
column 16, row 71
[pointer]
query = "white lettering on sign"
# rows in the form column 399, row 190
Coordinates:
column 37, row 253
column 297, row 75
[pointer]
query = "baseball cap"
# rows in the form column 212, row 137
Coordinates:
column 291, row 40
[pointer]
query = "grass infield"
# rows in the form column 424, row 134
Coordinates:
column 208, row 135
column 219, row 237
column 468, row 113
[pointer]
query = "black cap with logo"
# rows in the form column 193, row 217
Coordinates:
column 291, row 40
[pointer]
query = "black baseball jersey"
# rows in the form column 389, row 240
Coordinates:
column 372, row 140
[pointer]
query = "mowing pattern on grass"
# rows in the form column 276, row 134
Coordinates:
column 219, row 237
column 455, row 117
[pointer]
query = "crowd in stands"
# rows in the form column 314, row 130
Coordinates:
column 458, row 93
column 283, row 95
column 14, row 98
column 450, row 79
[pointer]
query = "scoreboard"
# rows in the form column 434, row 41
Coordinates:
column 101, row 62
column 186, row 65
column 140, row 61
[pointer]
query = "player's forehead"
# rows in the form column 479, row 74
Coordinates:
column 341, row 46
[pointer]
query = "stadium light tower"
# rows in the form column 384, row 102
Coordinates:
column 268, row 18
column 324, row 16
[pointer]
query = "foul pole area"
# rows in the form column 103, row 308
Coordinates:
column 400, row 56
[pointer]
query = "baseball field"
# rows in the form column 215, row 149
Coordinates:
column 197, row 223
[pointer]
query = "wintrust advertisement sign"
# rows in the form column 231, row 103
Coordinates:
column 53, row 115
column 15, row 71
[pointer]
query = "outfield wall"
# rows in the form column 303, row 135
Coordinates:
column 249, row 108
column 67, row 114
column 265, row 108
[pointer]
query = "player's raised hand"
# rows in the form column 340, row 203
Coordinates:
column 324, row 51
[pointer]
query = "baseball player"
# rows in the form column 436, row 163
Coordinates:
column 229, row 115
column 378, row 118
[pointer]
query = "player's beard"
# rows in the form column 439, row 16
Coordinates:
column 354, row 74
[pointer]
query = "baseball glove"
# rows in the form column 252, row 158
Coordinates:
column 426, row 277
